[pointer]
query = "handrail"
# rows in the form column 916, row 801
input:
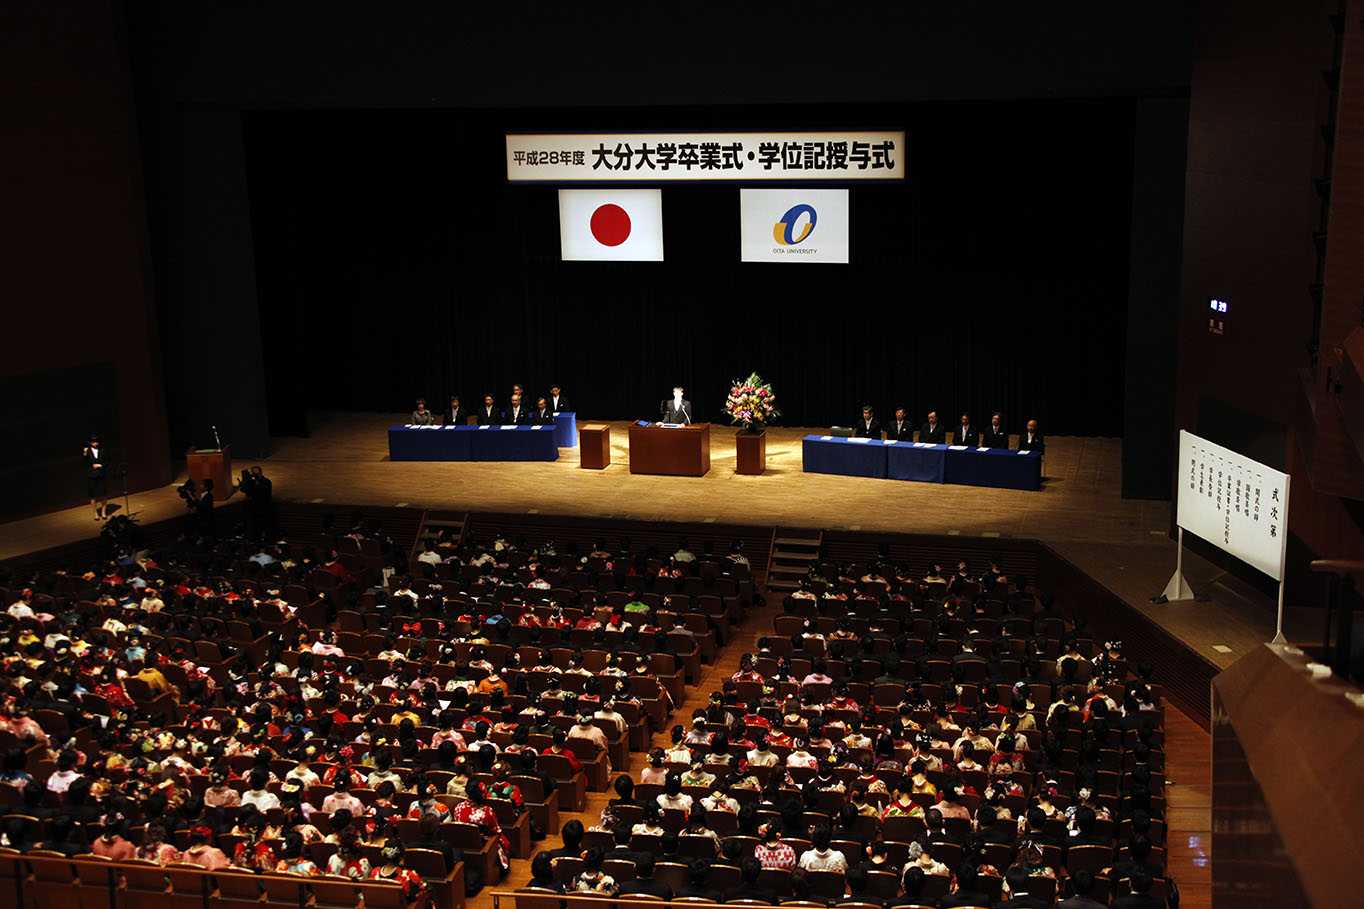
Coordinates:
column 1336, row 566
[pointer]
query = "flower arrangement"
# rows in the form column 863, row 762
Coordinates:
column 752, row 403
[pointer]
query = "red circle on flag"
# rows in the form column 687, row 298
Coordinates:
column 610, row 225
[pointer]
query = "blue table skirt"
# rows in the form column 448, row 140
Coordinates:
column 521, row 443
column 472, row 443
column 922, row 464
column 845, row 457
column 428, row 443
column 999, row 468
column 566, row 429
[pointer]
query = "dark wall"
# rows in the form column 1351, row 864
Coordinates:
column 1161, row 136
column 81, row 352
column 394, row 261
column 1254, row 148
column 357, row 54
column 206, row 282
column 1257, row 101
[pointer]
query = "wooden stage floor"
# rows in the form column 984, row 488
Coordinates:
column 1079, row 512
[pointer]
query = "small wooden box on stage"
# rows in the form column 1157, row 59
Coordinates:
column 750, row 452
column 679, row 451
column 594, row 446
column 213, row 465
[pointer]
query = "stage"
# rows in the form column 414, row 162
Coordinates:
column 1079, row 512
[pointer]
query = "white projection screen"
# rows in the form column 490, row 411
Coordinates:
column 1233, row 502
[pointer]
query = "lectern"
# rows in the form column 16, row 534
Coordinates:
column 594, row 446
column 682, row 451
column 212, row 464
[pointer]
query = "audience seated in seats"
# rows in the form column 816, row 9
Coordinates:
column 309, row 695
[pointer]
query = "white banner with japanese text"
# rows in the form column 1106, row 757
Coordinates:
column 804, row 157
column 1236, row 504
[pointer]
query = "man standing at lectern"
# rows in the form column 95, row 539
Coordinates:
column 676, row 409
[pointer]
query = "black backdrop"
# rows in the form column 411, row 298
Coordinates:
column 393, row 260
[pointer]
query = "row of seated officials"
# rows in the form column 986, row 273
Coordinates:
column 992, row 435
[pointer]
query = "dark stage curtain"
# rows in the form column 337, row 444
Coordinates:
column 394, row 261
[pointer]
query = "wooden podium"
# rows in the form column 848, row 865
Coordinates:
column 594, row 446
column 680, row 451
column 750, row 452
column 212, row 465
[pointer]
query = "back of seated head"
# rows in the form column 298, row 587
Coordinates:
column 750, row 869
column 644, row 865
column 669, row 842
column 1085, row 819
column 913, row 882
column 1017, row 879
column 856, row 878
column 573, row 834
column 699, row 871
column 1141, row 881
column 1139, row 847
column 1037, row 818
column 1082, row 881
column 621, row 834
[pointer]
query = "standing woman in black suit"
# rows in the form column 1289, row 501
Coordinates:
column 96, row 485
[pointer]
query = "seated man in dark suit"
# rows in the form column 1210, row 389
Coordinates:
column 1031, row 439
column 573, row 841
column 968, row 894
column 453, row 414
column 1082, row 882
column 1138, row 851
column 1017, row 880
column 489, row 414
column 1085, row 819
column 899, row 429
column 967, row 433
column 516, row 414
column 622, row 851
column 986, row 816
column 867, row 427
column 995, row 435
column 933, row 432
column 750, row 889
column 856, row 879
column 935, row 829
column 1036, row 819
column 696, row 883
column 644, row 880
column 542, row 415
column 1140, row 897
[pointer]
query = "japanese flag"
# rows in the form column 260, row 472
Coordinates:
column 611, row 225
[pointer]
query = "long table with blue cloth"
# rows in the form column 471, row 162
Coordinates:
column 473, row 443
column 964, row 465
